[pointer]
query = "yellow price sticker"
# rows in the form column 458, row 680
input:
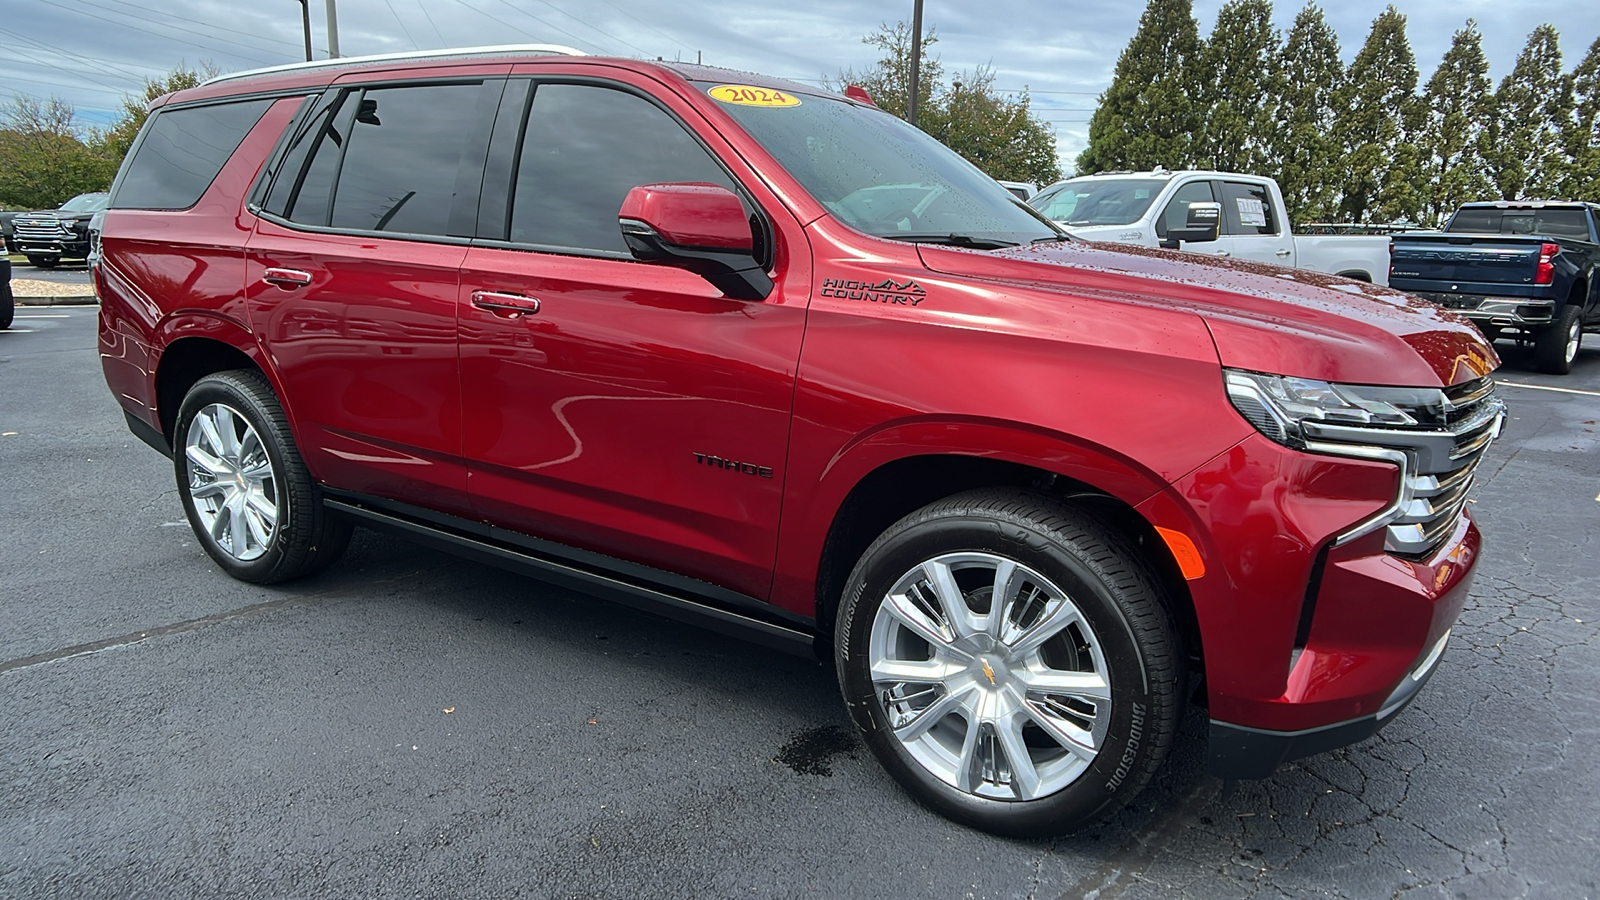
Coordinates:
column 749, row 95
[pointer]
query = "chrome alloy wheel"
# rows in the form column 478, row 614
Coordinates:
column 231, row 482
column 1574, row 337
column 990, row 677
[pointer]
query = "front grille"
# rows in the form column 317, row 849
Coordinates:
column 40, row 229
column 1439, row 461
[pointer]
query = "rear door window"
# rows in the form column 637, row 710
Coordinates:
column 400, row 160
column 181, row 152
column 1247, row 209
column 584, row 148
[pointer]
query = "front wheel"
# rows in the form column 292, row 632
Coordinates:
column 1011, row 662
column 245, row 490
column 1556, row 345
column 44, row 262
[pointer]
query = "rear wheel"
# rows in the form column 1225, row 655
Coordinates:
column 1011, row 662
column 1556, row 345
column 245, row 490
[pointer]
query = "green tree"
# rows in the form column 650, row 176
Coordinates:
column 1238, row 67
column 1149, row 115
column 1457, row 101
column 1523, row 142
column 115, row 141
column 1582, row 137
column 1309, row 84
column 998, row 134
column 1379, row 115
column 42, row 160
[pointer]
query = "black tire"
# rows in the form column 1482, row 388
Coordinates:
column 1491, row 333
column 1118, row 596
column 8, row 303
column 1556, row 345
column 44, row 262
column 307, row 538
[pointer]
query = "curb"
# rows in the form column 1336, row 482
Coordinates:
column 58, row 301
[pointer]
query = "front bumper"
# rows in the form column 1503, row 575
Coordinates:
column 1238, row 751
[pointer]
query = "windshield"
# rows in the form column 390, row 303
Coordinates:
column 879, row 175
column 86, row 203
column 1098, row 201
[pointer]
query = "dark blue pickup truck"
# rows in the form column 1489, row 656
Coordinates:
column 1522, row 269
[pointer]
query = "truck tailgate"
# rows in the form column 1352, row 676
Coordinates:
column 1503, row 265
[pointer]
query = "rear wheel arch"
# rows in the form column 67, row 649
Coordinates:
column 1357, row 274
column 186, row 361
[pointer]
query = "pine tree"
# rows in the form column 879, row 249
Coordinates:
column 1523, row 141
column 1582, row 138
column 1308, row 84
column 1237, row 69
column 1149, row 116
column 1379, row 115
column 1457, row 102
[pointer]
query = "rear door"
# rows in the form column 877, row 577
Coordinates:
column 1252, row 225
column 638, row 413
column 352, row 276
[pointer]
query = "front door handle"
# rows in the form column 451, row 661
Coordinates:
column 1223, row 253
column 506, row 306
column 1284, row 254
column 286, row 278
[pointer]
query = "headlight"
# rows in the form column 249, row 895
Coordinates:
column 1280, row 406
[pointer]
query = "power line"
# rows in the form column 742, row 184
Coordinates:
column 596, row 28
column 429, row 16
column 295, row 44
column 73, row 8
column 403, row 29
column 646, row 24
column 541, row 21
column 522, row 31
column 103, row 66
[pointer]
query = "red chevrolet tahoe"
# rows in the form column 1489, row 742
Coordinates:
column 758, row 356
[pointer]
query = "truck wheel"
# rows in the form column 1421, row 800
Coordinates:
column 8, row 305
column 1010, row 661
column 245, row 490
column 43, row 262
column 1556, row 345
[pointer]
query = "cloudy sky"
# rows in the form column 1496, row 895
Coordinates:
column 92, row 52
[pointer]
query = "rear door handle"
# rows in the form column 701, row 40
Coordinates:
column 506, row 306
column 286, row 278
column 1283, row 253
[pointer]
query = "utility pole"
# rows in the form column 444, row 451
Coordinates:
column 305, row 19
column 916, row 61
column 333, row 30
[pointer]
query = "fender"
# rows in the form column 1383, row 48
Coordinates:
column 214, row 326
column 810, row 506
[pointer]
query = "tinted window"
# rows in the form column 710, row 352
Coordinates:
column 1568, row 223
column 403, row 157
column 181, row 153
column 1248, row 209
column 302, row 193
column 1176, row 215
column 584, row 148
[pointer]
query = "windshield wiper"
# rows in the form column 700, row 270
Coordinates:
column 954, row 240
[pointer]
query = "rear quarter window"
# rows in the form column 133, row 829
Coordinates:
column 181, row 152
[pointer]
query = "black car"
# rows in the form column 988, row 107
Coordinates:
column 46, row 238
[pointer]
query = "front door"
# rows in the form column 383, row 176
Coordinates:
column 1251, row 226
column 638, row 412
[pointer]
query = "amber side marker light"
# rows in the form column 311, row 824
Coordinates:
column 1185, row 552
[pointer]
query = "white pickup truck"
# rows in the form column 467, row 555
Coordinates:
column 1142, row 207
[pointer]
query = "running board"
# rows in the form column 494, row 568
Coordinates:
column 652, row 600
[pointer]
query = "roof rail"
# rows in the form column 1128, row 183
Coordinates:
column 494, row 50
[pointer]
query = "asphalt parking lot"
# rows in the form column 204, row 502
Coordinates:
column 409, row 724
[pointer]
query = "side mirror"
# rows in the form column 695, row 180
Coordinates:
column 1204, row 224
column 699, row 227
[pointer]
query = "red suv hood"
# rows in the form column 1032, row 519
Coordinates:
column 1263, row 318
